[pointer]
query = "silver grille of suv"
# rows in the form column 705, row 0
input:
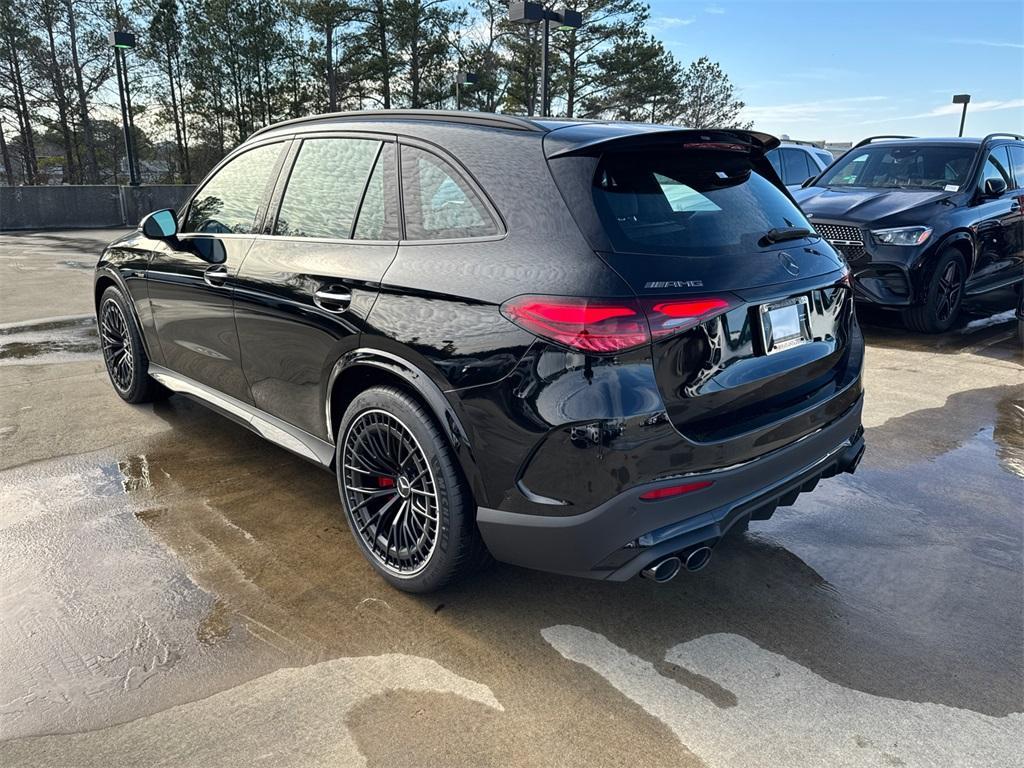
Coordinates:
column 849, row 241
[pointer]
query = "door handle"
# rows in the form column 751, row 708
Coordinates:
column 333, row 298
column 216, row 275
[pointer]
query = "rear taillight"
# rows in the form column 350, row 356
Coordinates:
column 668, row 316
column 589, row 325
column 603, row 326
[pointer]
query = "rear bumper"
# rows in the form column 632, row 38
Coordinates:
column 619, row 538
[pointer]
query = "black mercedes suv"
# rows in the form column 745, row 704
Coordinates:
column 590, row 348
column 924, row 223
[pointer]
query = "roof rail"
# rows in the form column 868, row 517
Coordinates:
column 869, row 139
column 1002, row 136
column 485, row 119
column 801, row 142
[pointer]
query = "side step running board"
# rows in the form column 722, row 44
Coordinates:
column 262, row 423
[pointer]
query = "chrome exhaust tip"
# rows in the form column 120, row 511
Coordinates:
column 697, row 558
column 663, row 570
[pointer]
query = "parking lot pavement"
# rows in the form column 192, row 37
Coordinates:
column 176, row 591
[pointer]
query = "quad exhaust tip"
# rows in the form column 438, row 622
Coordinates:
column 666, row 569
column 663, row 570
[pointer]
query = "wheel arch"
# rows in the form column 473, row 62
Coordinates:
column 109, row 278
column 362, row 368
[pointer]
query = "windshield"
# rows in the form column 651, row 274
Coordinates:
column 694, row 203
column 903, row 166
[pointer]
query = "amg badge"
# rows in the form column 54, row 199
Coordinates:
column 675, row 284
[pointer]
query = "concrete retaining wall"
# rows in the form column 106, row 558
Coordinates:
column 85, row 206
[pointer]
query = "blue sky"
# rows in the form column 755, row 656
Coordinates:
column 844, row 69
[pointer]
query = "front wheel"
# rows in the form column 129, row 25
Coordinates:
column 406, row 503
column 123, row 351
column 941, row 307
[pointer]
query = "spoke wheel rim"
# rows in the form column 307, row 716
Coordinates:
column 117, row 345
column 949, row 289
column 389, row 492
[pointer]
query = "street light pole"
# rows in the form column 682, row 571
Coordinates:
column 965, row 99
column 527, row 12
column 119, row 41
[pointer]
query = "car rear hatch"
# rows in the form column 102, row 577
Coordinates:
column 751, row 314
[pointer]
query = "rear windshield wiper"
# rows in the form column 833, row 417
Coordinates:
column 781, row 234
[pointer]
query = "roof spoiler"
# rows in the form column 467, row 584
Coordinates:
column 726, row 138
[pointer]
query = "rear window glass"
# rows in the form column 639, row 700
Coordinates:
column 688, row 204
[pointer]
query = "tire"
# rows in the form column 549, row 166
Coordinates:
column 943, row 298
column 403, row 494
column 124, row 354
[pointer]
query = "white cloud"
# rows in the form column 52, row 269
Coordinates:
column 811, row 111
column 989, row 43
column 715, row 9
column 955, row 109
column 670, row 22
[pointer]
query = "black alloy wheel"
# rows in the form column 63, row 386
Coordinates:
column 403, row 492
column 123, row 351
column 940, row 308
column 951, row 284
column 390, row 492
column 117, row 346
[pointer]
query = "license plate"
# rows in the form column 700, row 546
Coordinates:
column 784, row 324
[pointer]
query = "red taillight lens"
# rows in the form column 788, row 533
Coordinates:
column 610, row 325
column 589, row 325
column 668, row 316
column 674, row 490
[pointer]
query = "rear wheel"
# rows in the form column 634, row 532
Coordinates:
column 404, row 498
column 941, row 306
column 123, row 351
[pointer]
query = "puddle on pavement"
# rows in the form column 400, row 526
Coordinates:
column 54, row 341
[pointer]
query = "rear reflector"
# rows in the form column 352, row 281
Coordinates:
column 604, row 326
column 674, row 490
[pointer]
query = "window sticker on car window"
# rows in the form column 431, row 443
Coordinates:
column 951, row 188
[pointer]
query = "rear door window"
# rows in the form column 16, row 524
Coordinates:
column 378, row 214
column 1017, row 162
column 794, row 166
column 325, row 187
column 697, row 203
column 231, row 200
column 439, row 204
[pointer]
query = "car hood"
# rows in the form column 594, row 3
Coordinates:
column 863, row 205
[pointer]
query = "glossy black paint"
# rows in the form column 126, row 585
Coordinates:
column 538, row 429
column 988, row 230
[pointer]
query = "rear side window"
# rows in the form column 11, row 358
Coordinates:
column 229, row 202
column 439, row 204
column 824, row 157
column 688, row 204
column 325, row 187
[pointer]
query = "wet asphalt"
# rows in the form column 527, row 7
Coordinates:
column 175, row 591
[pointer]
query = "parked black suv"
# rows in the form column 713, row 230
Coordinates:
column 924, row 223
column 590, row 348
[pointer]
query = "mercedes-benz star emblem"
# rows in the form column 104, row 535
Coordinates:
column 789, row 263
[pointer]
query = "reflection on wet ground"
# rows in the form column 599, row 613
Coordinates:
column 48, row 342
column 177, row 590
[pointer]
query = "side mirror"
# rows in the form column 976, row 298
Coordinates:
column 160, row 225
column 994, row 187
column 807, row 182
